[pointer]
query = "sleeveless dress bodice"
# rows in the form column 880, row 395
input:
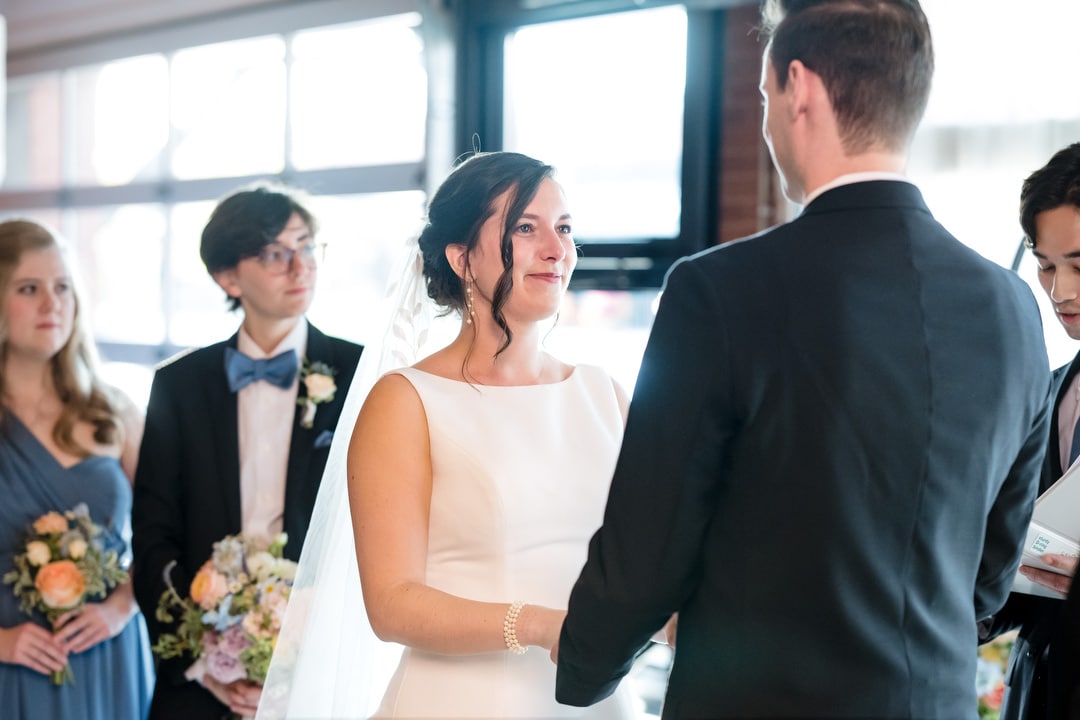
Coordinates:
column 519, row 483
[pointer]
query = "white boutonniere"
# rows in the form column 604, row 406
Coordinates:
column 318, row 381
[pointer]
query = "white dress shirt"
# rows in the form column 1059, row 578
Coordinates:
column 852, row 178
column 265, row 415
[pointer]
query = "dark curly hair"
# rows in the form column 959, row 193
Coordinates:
column 459, row 208
column 1055, row 184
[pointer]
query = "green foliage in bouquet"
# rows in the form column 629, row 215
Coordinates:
column 990, row 678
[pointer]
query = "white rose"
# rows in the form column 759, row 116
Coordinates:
column 320, row 388
column 260, row 564
column 38, row 553
column 286, row 569
column 77, row 548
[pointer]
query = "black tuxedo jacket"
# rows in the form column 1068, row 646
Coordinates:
column 1063, row 664
column 1028, row 677
column 828, row 470
column 187, row 485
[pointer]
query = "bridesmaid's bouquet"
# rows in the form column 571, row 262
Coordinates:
column 60, row 565
column 229, row 623
column 993, row 660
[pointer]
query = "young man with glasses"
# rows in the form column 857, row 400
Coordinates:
column 236, row 440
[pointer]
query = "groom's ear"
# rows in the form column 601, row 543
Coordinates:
column 457, row 256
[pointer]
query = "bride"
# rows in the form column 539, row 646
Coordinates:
column 475, row 478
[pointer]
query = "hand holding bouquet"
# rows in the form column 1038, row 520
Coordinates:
column 62, row 565
column 230, row 621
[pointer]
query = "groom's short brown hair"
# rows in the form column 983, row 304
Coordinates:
column 875, row 58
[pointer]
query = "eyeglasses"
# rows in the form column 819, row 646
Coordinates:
column 278, row 259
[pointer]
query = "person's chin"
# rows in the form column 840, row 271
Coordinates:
column 295, row 310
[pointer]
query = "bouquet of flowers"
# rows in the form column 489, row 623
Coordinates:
column 61, row 565
column 230, row 620
column 990, row 676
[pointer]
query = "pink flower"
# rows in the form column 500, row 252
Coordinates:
column 51, row 523
column 210, row 641
column 225, row 668
column 992, row 700
column 233, row 641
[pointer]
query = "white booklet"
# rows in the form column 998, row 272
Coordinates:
column 1054, row 528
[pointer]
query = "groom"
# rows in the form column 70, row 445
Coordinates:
column 237, row 433
column 836, row 435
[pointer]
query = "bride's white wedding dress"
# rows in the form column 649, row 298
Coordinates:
column 520, row 480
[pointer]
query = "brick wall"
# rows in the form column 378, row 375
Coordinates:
column 749, row 187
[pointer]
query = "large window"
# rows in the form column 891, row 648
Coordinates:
column 1001, row 105
column 127, row 156
column 623, row 100
column 608, row 113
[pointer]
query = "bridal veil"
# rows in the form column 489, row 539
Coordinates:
column 327, row 662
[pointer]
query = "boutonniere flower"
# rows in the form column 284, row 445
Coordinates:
column 318, row 381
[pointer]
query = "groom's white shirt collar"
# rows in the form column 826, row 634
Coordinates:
column 850, row 179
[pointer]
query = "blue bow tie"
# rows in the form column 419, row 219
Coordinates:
column 242, row 370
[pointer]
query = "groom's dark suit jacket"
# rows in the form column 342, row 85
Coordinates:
column 829, row 465
column 1029, row 677
column 187, row 486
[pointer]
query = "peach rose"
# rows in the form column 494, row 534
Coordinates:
column 208, row 587
column 61, row 584
column 51, row 523
column 320, row 388
column 38, row 553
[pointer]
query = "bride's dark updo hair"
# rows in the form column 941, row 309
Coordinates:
column 460, row 207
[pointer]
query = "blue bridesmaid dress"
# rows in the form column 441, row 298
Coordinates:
column 115, row 678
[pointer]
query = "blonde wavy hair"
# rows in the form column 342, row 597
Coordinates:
column 74, row 368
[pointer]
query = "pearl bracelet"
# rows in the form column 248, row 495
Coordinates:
column 510, row 628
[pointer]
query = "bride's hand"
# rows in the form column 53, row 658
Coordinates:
column 539, row 625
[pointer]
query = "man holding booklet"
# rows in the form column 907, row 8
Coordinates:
column 1037, row 684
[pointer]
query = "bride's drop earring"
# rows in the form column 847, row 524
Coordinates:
column 470, row 313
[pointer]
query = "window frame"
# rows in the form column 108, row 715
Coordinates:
column 630, row 263
column 285, row 21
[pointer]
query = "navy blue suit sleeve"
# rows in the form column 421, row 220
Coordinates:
column 1007, row 522
column 644, row 561
column 157, row 524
